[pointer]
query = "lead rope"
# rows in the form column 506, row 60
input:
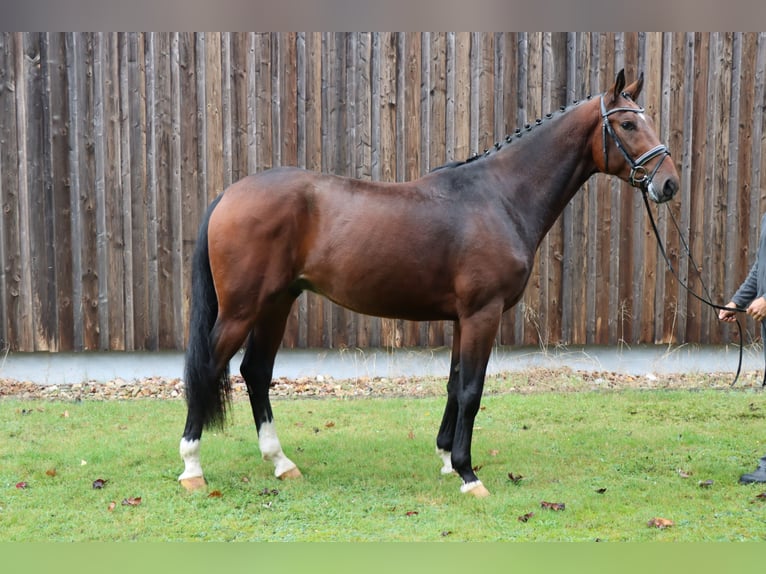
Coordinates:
column 688, row 289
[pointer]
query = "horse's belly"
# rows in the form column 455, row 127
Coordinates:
column 395, row 299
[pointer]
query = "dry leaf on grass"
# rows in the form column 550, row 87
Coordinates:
column 660, row 523
column 706, row 483
column 215, row 494
column 21, row 485
column 553, row 505
column 132, row 501
column 525, row 517
column 51, row 472
column 99, row 483
column 112, row 506
column 515, row 478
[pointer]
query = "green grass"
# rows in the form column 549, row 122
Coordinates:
column 371, row 474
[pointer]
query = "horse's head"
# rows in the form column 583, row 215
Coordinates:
column 630, row 148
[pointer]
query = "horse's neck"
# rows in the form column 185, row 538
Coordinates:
column 546, row 170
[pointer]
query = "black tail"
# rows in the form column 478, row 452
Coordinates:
column 207, row 388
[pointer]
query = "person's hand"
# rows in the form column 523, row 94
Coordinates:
column 728, row 316
column 757, row 309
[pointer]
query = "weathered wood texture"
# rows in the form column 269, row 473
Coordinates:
column 112, row 145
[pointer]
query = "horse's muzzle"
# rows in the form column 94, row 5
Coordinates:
column 664, row 193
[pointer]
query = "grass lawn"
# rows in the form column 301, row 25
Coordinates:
column 614, row 459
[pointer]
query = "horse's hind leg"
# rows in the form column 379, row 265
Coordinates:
column 204, row 384
column 257, row 368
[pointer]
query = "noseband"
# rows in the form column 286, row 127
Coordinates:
column 639, row 175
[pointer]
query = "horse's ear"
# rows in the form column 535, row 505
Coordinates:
column 619, row 84
column 634, row 89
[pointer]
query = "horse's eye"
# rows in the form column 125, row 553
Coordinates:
column 629, row 126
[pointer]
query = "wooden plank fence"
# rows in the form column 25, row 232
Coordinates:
column 112, row 144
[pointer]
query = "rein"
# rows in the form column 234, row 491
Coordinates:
column 685, row 285
column 641, row 178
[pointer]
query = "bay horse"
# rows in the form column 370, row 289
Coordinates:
column 458, row 244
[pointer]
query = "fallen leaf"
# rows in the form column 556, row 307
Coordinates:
column 660, row 523
column 494, row 452
column 525, row 427
column 329, row 424
column 706, row 483
column 684, row 473
column 515, row 478
column 132, row 501
column 411, row 435
column 525, row 517
column 245, row 479
column 215, row 494
column 411, row 513
column 762, row 496
column 51, row 472
column 83, row 462
column 600, row 490
column 478, row 467
column 21, row 485
column 99, row 483
column 446, row 532
column 65, row 415
column 553, row 505
column 111, row 506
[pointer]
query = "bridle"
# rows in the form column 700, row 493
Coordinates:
column 639, row 175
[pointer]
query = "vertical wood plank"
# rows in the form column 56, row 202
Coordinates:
column 213, row 115
column 646, row 270
column 316, row 330
column 25, row 297
column 138, row 184
column 53, row 63
column 438, row 83
column 9, row 167
column 100, row 156
column 191, row 199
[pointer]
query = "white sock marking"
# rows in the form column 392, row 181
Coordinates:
column 190, row 454
column 446, row 457
column 272, row 450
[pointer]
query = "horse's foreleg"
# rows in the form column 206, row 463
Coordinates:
column 257, row 368
column 477, row 333
column 447, row 429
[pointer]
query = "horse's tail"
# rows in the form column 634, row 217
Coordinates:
column 207, row 387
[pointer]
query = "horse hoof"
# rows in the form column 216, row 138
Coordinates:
column 290, row 474
column 194, row 483
column 479, row 492
column 476, row 488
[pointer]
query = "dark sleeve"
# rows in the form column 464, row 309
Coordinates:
column 749, row 288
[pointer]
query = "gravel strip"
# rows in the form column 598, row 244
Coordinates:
column 528, row 381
